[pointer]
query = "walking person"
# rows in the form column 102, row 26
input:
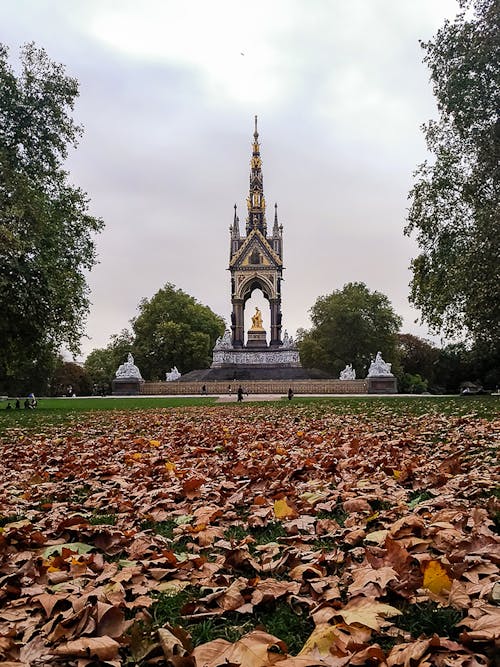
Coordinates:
column 240, row 393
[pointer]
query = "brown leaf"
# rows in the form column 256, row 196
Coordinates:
column 368, row 612
column 104, row 648
column 256, row 649
column 407, row 655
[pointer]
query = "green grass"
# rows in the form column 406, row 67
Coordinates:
column 268, row 533
column 163, row 528
column 166, row 529
column 277, row 617
column 57, row 409
column 102, row 520
column 235, row 533
column 417, row 497
column 338, row 514
column 11, row 518
column 487, row 407
column 106, row 403
column 427, row 618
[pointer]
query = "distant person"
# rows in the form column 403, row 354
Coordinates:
column 290, row 394
column 27, row 404
column 204, row 390
column 9, row 406
column 240, row 393
column 18, row 404
column 229, row 389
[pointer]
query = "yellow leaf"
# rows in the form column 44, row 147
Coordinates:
column 368, row 612
column 436, row 578
column 154, row 443
column 377, row 536
column 282, row 510
column 171, row 467
column 396, row 473
column 313, row 497
column 322, row 638
column 137, row 456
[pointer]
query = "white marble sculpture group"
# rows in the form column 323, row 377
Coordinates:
column 225, row 354
column 128, row 370
column 378, row 368
column 349, row 373
column 172, row 375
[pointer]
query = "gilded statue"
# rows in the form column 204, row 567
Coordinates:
column 257, row 319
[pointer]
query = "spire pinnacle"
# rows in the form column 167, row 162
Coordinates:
column 256, row 202
column 276, row 229
column 235, row 228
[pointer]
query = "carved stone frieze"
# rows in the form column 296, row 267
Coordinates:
column 272, row 357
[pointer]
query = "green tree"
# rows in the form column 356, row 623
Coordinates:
column 102, row 363
column 417, row 356
column 173, row 329
column 455, row 202
column 70, row 378
column 454, row 366
column 349, row 327
column 46, row 233
column 412, row 384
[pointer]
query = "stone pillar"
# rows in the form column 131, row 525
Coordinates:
column 383, row 384
column 127, row 386
column 237, row 323
column 275, row 323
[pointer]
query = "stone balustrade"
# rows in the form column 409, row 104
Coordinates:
column 257, row 387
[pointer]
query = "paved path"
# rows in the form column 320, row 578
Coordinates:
column 233, row 398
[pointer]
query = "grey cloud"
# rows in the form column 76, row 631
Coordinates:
column 164, row 160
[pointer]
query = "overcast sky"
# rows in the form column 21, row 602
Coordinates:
column 168, row 93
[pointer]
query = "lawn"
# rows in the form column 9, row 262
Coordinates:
column 321, row 532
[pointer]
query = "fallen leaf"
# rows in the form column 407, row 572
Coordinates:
column 368, row 612
column 436, row 578
column 282, row 510
column 104, row 648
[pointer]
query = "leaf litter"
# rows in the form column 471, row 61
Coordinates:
column 353, row 524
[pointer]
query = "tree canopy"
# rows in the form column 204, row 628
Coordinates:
column 417, row 356
column 455, row 203
column 46, row 232
column 349, row 327
column 102, row 363
column 173, row 329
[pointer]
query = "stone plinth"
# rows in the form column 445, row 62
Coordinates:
column 127, row 386
column 256, row 339
column 382, row 384
column 269, row 357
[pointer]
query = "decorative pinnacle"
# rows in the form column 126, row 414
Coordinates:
column 255, row 134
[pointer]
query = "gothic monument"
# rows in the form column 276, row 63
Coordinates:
column 256, row 262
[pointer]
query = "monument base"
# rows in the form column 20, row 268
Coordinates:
column 241, row 373
column 256, row 339
column 127, row 386
column 266, row 357
column 382, row 384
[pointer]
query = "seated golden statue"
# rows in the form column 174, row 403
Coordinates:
column 257, row 319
